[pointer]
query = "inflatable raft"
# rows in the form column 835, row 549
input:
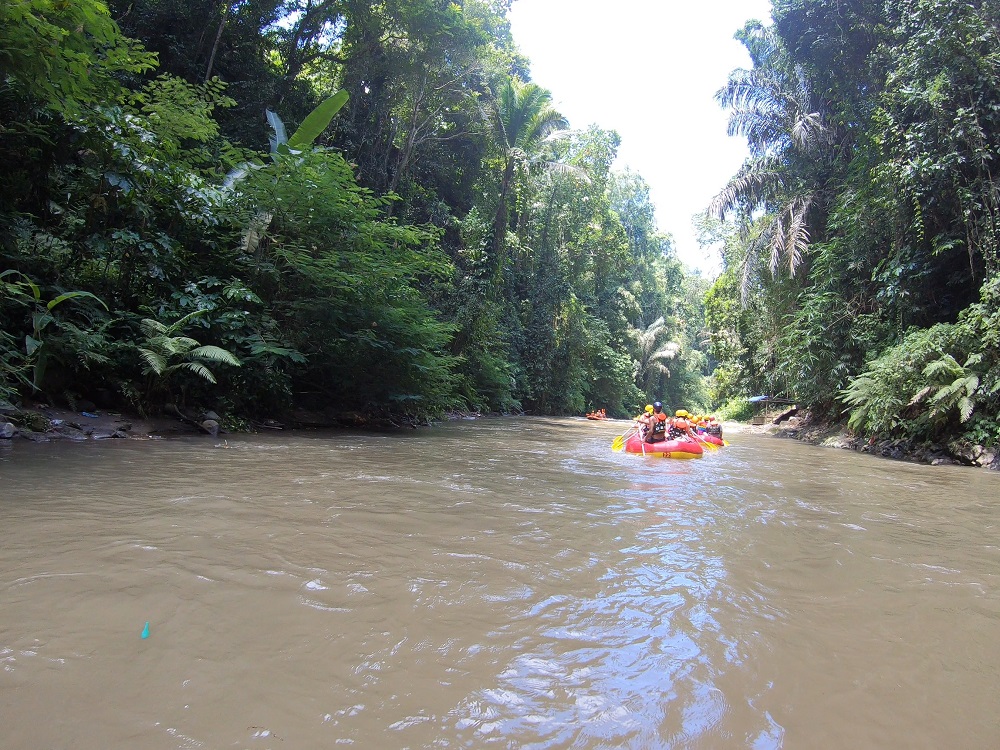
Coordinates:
column 664, row 448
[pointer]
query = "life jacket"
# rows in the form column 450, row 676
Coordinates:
column 660, row 422
column 678, row 427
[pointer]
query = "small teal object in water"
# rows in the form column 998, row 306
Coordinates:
column 145, row 631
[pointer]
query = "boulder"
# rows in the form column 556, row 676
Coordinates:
column 69, row 432
column 7, row 430
column 36, row 437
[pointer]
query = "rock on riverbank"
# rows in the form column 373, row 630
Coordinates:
column 42, row 423
column 833, row 435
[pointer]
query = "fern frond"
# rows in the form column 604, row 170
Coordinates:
column 182, row 344
column 973, row 360
column 970, row 383
column 154, row 362
column 197, row 368
column 215, row 354
column 965, row 409
column 152, row 327
column 947, row 364
column 179, row 324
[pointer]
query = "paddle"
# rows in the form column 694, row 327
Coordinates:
column 619, row 442
column 724, row 442
column 710, row 446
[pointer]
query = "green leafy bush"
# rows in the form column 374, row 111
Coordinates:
column 735, row 410
column 938, row 381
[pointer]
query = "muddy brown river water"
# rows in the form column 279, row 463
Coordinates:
column 507, row 583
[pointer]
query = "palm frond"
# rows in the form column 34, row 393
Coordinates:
column 668, row 351
column 809, row 131
column 757, row 180
column 796, row 242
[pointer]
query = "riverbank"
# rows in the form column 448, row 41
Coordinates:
column 832, row 435
column 42, row 423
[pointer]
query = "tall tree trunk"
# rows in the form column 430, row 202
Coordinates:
column 500, row 220
column 215, row 44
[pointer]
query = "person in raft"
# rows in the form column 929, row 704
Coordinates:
column 680, row 426
column 657, row 424
column 644, row 421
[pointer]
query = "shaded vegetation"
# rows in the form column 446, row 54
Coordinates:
column 432, row 236
column 861, row 234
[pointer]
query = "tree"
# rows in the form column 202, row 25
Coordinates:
column 654, row 354
column 773, row 106
column 65, row 56
column 522, row 117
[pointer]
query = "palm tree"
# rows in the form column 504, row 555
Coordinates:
column 773, row 107
column 521, row 118
column 653, row 355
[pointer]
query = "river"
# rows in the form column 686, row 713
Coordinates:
column 506, row 583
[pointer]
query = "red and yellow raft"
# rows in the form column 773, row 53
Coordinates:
column 664, row 448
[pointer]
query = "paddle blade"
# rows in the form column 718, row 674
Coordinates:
column 619, row 442
column 725, row 442
column 706, row 444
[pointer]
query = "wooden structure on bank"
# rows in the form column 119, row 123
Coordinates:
column 775, row 410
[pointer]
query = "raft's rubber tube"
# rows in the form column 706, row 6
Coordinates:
column 664, row 448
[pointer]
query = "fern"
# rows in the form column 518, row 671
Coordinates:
column 165, row 352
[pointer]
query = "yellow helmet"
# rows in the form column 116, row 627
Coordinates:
column 649, row 408
column 680, row 413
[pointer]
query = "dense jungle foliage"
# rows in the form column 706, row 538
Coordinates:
column 427, row 233
column 433, row 235
column 861, row 235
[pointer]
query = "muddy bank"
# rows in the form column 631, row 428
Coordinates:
column 43, row 423
column 831, row 435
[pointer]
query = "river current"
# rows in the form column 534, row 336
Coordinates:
column 508, row 583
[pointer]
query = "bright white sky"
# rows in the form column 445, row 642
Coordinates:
column 648, row 69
